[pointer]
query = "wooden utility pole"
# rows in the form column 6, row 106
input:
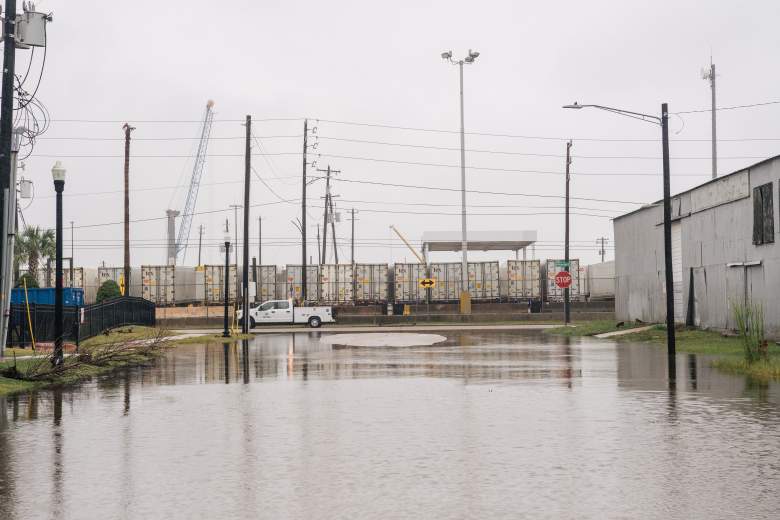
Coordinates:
column 127, row 128
column 333, row 229
column 602, row 251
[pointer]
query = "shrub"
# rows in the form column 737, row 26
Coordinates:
column 750, row 325
column 108, row 290
column 32, row 283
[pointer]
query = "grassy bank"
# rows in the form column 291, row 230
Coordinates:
column 729, row 350
column 591, row 328
column 121, row 347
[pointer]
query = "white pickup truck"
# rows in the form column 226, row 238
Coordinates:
column 285, row 311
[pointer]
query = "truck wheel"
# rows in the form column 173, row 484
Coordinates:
column 252, row 322
column 315, row 322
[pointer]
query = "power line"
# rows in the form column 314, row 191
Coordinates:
column 733, row 107
column 483, row 192
column 522, row 154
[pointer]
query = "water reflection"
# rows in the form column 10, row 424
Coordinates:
column 482, row 425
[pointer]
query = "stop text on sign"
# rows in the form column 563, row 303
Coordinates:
column 563, row 279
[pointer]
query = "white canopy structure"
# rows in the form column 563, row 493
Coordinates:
column 478, row 241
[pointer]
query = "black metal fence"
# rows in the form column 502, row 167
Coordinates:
column 79, row 322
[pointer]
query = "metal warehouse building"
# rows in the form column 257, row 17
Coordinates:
column 723, row 251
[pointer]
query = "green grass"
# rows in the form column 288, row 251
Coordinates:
column 591, row 328
column 210, row 338
column 728, row 349
column 129, row 333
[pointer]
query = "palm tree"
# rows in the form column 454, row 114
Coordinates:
column 34, row 244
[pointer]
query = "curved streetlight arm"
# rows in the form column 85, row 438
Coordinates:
column 627, row 113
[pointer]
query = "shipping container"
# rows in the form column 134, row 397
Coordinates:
column 78, row 276
column 265, row 278
column 407, row 279
column 213, row 279
column 115, row 273
column 449, row 281
column 186, row 285
column 337, row 283
column 293, row 282
column 158, row 284
column 524, row 280
column 71, row 297
column 553, row 293
column 483, row 281
column 371, row 283
column 600, row 280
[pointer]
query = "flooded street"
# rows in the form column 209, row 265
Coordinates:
column 482, row 425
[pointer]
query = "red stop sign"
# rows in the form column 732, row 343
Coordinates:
column 563, row 279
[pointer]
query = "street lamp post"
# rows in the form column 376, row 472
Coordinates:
column 58, row 357
column 465, row 300
column 663, row 121
column 226, row 332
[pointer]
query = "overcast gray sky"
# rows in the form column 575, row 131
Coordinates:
column 379, row 62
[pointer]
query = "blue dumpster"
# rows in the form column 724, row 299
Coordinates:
column 71, row 296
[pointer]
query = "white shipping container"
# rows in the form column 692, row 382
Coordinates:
column 214, row 283
column 158, row 284
column 78, row 277
column 265, row 278
column 600, row 280
column 483, row 280
column 407, row 277
column 524, row 279
column 114, row 273
column 371, row 283
column 448, row 281
column 553, row 293
column 336, row 283
column 293, row 282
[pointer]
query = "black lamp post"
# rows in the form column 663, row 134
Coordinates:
column 226, row 332
column 663, row 122
column 58, row 174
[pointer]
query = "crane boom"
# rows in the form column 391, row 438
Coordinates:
column 197, row 172
column 413, row 250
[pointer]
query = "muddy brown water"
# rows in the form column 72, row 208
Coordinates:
column 484, row 425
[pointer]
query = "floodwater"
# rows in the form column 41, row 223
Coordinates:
column 483, row 425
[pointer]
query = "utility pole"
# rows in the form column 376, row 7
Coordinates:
column 245, row 277
column 71, row 253
column 671, row 347
column 225, row 321
column 602, row 250
column 352, row 242
column 303, row 214
column 200, row 241
column 6, row 124
column 333, row 229
column 319, row 257
column 127, row 128
column 235, row 248
column 259, row 240
column 710, row 75
column 328, row 205
column 566, row 294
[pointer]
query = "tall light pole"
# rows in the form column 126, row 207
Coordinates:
column 663, row 121
column 710, row 75
column 465, row 300
column 58, row 175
